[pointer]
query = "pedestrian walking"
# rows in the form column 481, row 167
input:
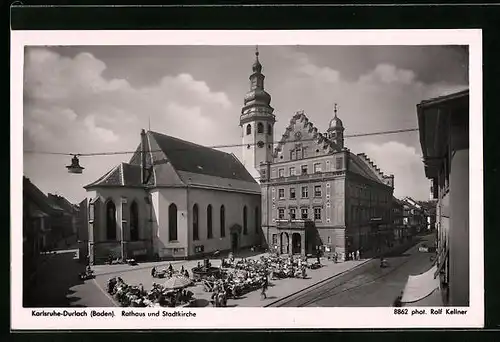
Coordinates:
column 358, row 257
column 264, row 288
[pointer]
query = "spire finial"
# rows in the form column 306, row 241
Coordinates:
column 257, row 51
column 335, row 109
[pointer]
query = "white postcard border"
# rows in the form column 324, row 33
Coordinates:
column 247, row 318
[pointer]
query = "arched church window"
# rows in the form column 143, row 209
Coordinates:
column 209, row 222
column 134, row 222
column 110, row 221
column 269, row 129
column 222, row 221
column 172, row 222
column 245, row 219
column 249, row 129
column 195, row 223
column 257, row 220
column 260, row 128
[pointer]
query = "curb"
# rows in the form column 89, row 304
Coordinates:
column 137, row 268
column 318, row 283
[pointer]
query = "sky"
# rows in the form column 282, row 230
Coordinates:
column 86, row 99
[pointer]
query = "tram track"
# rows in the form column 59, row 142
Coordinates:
column 369, row 276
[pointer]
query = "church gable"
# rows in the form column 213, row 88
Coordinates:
column 302, row 137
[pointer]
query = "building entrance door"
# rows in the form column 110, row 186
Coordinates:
column 296, row 243
column 284, row 243
column 234, row 242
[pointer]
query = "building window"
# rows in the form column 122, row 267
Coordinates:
column 292, row 171
column 317, row 167
column 245, row 220
column 275, row 239
column 249, row 129
column 281, row 173
column 269, row 129
column 304, row 152
column 327, row 165
column 196, row 232
column 298, row 153
column 222, row 221
column 257, row 220
column 339, row 161
column 281, row 193
column 292, row 214
column 281, row 213
column 134, row 222
column 317, row 191
column 303, row 169
column 209, row 222
column 293, row 155
column 172, row 222
column 292, row 193
column 317, row 214
column 304, row 213
column 260, row 128
column 110, row 221
column 305, row 192
column 329, row 240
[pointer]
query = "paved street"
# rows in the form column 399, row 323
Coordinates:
column 58, row 285
column 368, row 285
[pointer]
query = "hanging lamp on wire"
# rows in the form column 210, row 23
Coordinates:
column 75, row 165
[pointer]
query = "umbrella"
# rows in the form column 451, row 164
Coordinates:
column 177, row 282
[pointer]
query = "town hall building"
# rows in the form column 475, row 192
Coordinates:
column 315, row 192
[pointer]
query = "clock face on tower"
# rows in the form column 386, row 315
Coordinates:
column 260, row 144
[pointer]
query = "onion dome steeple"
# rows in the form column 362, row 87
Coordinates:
column 257, row 96
column 257, row 67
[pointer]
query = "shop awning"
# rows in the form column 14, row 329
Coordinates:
column 420, row 286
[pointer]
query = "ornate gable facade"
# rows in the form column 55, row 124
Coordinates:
column 301, row 136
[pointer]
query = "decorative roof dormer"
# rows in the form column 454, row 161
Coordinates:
column 336, row 129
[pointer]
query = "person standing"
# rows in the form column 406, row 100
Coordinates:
column 264, row 288
column 358, row 256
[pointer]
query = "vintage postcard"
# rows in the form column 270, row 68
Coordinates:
column 246, row 179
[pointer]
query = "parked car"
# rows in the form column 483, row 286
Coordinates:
column 423, row 248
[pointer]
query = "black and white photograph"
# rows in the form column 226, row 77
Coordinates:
column 247, row 173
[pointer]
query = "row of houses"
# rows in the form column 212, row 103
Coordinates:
column 49, row 221
column 411, row 217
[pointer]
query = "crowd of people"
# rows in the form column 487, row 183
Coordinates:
column 135, row 296
column 169, row 272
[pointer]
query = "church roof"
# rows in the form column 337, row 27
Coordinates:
column 178, row 162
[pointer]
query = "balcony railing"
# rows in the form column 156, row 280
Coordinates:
column 304, row 177
column 293, row 224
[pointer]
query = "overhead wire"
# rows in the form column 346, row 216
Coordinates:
column 91, row 154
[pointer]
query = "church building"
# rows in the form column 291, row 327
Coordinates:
column 315, row 192
column 173, row 200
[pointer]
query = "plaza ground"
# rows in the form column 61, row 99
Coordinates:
column 141, row 274
column 350, row 283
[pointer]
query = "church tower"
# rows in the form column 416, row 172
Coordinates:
column 336, row 130
column 257, row 123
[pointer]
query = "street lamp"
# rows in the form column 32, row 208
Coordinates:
column 75, row 165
